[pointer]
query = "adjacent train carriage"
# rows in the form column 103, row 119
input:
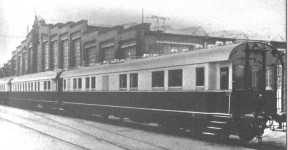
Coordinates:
column 5, row 90
column 35, row 89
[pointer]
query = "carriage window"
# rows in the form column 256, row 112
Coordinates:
column 64, row 84
column 158, row 79
column 93, row 82
column 79, row 83
column 87, row 82
column 238, row 77
column 38, row 86
column 45, row 85
column 224, row 78
column 175, row 77
column 32, row 86
column 123, row 81
column 48, row 85
column 74, row 84
column 269, row 78
column 255, row 77
column 133, row 80
column 200, row 76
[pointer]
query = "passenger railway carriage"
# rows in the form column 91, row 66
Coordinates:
column 235, row 84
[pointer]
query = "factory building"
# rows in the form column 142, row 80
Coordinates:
column 70, row 45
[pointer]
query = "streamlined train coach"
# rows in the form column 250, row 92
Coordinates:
column 183, row 90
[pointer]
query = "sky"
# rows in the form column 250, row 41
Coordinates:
column 256, row 16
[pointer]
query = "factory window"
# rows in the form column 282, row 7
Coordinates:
column 224, row 78
column 158, row 79
column 123, row 81
column 74, row 84
column 175, row 78
column 79, row 83
column 87, row 83
column 200, row 76
column 93, row 82
column 133, row 80
column 64, row 84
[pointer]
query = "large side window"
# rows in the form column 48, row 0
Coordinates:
column 224, row 78
column 133, row 80
column 158, row 79
column 175, row 78
column 123, row 81
column 200, row 76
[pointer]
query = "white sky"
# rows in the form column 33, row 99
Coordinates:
column 258, row 16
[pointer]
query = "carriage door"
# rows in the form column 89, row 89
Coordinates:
column 254, row 80
column 248, row 80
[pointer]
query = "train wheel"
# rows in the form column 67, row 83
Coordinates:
column 246, row 133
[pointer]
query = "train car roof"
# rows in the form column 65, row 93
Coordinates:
column 217, row 54
column 5, row 80
column 191, row 57
column 38, row 76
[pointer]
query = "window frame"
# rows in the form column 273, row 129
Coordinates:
column 123, row 81
column 93, row 84
column 170, row 72
column 222, row 69
column 87, row 86
column 200, row 78
column 131, row 79
column 155, row 77
column 79, row 83
column 74, row 83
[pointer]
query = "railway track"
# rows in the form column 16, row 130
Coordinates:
column 98, row 128
column 45, row 134
column 89, row 130
column 73, row 130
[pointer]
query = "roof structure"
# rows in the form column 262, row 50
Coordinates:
column 231, row 34
column 38, row 76
column 196, row 31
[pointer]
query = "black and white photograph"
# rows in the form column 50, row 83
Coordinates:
column 143, row 74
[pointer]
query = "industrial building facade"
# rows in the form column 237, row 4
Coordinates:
column 51, row 47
